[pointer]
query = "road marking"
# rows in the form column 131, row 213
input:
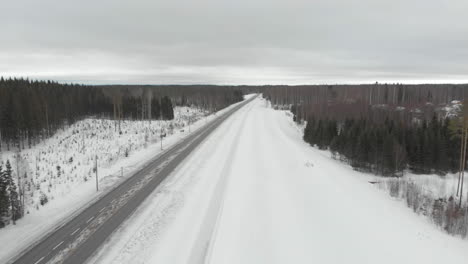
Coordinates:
column 75, row 231
column 102, row 209
column 58, row 245
column 39, row 260
column 89, row 220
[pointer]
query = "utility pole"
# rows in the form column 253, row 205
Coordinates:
column 160, row 120
column 82, row 141
column 189, row 119
column 96, row 169
column 20, row 189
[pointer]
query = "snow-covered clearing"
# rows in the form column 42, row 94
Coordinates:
column 62, row 168
column 254, row 192
column 432, row 185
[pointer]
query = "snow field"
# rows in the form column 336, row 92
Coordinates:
column 274, row 199
column 290, row 203
column 178, row 218
column 72, row 186
column 432, row 185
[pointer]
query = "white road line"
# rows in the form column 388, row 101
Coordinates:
column 58, row 245
column 89, row 220
column 39, row 260
column 102, row 209
column 75, row 231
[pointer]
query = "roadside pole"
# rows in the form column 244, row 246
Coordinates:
column 97, row 182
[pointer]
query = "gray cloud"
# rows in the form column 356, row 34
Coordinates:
column 243, row 41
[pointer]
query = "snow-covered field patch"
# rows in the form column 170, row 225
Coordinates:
column 59, row 176
column 431, row 195
column 255, row 192
column 432, row 185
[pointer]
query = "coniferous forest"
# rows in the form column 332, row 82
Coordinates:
column 388, row 148
column 33, row 110
column 381, row 128
column 389, row 130
column 10, row 204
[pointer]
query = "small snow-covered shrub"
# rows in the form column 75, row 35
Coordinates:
column 43, row 199
column 444, row 212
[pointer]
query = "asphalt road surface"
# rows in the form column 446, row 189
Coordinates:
column 77, row 240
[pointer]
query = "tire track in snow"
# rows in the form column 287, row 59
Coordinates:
column 201, row 248
column 169, row 199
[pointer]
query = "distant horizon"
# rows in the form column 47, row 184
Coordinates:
column 98, row 82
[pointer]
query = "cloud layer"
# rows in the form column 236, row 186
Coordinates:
column 236, row 42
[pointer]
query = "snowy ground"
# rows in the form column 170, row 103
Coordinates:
column 431, row 185
column 72, row 186
column 424, row 189
column 254, row 192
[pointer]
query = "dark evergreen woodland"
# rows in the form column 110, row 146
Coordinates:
column 380, row 128
column 10, row 206
column 389, row 147
column 31, row 111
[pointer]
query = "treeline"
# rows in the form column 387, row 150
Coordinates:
column 377, row 101
column 33, row 110
column 370, row 94
column 10, row 204
column 157, row 108
column 389, row 147
column 208, row 97
column 381, row 128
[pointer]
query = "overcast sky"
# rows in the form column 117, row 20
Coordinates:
column 235, row 41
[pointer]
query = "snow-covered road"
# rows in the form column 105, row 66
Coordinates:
column 254, row 192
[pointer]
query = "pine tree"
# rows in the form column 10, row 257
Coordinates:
column 4, row 199
column 14, row 201
column 363, row 149
column 294, row 112
column 14, row 205
column 388, row 162
column 155, row 108
column 308, row 130
column 317, row 137
column 167, row 110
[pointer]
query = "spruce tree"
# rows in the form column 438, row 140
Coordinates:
column 167, row 110
column 14, row 201
column 308, row 130
column 363, row 149
column 14, row 205
column 4, row 200
column 388, row 163
column 155, row 108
